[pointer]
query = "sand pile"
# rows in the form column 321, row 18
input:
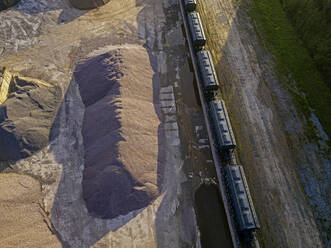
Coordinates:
column 4, row 4
column 120, row 132
column 26, row 118
column 22, row 220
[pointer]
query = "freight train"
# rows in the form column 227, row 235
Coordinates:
column 237, row 187
column 196, row 29
column 190, row 5
column 247, row 221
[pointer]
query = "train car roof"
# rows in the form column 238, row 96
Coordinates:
column 207, row 69
column 241, row 197
column 196, row 26
column 222, row 126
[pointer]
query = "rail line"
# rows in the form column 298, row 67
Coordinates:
column 216, row 158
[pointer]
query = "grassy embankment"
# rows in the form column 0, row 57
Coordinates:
column 295, row 67
column 312, row 21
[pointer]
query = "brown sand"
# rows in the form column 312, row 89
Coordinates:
column 22, row 220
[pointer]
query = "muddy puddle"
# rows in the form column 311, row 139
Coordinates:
column 211, row 218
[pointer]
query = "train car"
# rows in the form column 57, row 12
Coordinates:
column 190, row 5
column 242, row 201
column 207, row 71
column 196, row 29
column 224, row 135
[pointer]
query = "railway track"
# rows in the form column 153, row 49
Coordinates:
column 216, row 158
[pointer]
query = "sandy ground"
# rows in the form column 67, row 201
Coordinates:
column 47, row 40
column 23, row 222
column 289, row 178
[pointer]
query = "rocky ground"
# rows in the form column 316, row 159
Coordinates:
column 289, row 177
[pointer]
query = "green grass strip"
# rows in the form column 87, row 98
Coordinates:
column 294, row 65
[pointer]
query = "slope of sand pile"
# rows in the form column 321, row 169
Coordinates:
column 120, row 132
column 22, row 221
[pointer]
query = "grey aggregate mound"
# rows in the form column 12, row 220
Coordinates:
column 5, row 4
column 26, row 119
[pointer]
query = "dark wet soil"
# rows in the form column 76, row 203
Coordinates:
column 214, row 230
